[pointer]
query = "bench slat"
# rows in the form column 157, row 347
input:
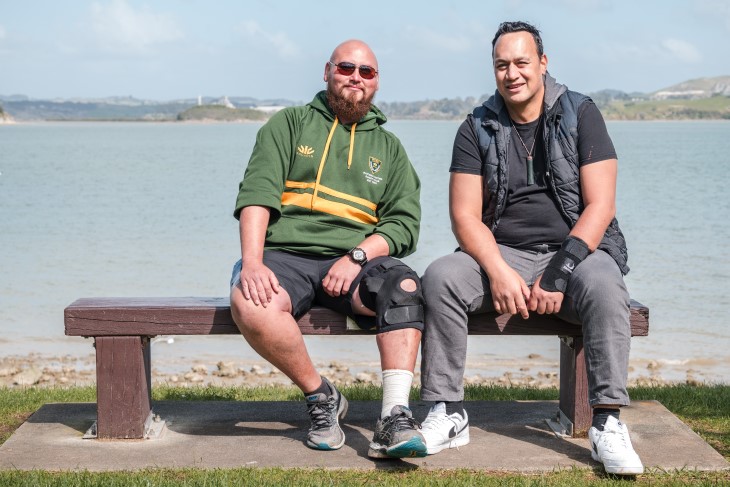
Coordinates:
column 212, row 316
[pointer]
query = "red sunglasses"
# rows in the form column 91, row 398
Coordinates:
column 346, row 69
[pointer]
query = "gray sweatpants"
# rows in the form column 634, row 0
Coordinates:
column 455, row 286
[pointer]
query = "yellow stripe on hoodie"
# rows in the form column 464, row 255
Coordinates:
column 315, row 203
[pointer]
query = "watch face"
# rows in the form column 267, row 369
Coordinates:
column 358, row 255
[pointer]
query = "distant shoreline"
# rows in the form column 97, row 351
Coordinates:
column 694, row 99
column 212, row 122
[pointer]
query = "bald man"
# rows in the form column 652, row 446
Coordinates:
column 328, row 200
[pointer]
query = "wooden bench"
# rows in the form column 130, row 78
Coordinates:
column 122, row 328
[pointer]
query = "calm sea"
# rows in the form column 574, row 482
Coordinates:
column 145, row 209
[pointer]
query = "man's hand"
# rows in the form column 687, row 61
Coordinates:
column 544, row 302
column 509, row 292
column 340, row 276
column 258, row 283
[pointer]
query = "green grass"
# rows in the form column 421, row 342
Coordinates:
column 307, row 477
column 716, row 107
column 705, row 408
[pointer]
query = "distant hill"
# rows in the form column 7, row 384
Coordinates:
column 66, row 110
column 703, row 98
column 712, row 108
column 221, row 113
column 23, row 108
column 443, row 109
column 695, row 89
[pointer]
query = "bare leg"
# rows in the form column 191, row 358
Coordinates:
column 396, row 431
column 399, row 348
column 274, row 334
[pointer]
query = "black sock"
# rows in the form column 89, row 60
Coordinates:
column 454, row 407
column 323, row 388
column 600, row 415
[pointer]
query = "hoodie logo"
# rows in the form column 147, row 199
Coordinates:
column 305, row 151
column 374, row 164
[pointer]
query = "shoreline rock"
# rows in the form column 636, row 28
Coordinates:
column 66, row 371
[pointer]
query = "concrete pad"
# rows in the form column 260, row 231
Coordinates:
column 508, row 436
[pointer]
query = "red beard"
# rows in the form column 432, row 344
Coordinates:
column 347, row 109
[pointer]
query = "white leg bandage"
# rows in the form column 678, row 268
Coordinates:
column 396, row 389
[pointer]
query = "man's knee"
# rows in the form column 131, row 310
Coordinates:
column 249, row 316
column 436, row 277
column 600, row 277
column 393, row 290
column 445, row 276
column 238, row 305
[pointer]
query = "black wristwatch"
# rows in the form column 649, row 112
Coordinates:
column 358, row 256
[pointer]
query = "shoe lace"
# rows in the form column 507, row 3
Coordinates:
column 436, row 420
column 615, row 440
column 398, row 422
column 321, row 413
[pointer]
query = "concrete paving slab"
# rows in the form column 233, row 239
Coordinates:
column 505, row 435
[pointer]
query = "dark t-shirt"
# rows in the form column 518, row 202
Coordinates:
column 531, row 215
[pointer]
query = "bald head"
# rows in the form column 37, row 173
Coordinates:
column 354, row 48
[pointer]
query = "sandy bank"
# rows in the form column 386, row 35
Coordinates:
column 68, row 370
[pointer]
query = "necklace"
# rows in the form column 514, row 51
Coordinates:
column 530, row 167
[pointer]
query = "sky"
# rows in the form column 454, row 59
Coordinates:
column 173, row 49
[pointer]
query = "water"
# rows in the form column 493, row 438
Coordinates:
column 145, row 209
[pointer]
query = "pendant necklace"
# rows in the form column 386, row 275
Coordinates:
column 530, row 168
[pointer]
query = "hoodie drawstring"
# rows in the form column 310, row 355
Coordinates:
column 352, row 145
column 324, row 158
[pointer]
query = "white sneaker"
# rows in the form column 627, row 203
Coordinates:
column 444, row 431
column 612, row 447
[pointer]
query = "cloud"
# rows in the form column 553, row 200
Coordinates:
column 120, row 27
column 717, row 10
column 429, row 38
column 2, row 33
column 682, row 50
column 278, row 40
column 668, row 50
column 587, row 5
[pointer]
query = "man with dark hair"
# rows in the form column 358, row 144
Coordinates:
column 327, row 198
column 532, row 204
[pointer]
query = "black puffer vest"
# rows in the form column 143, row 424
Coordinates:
column 492, row 124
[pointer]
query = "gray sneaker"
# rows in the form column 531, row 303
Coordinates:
column 397, row 436
column 326, row 413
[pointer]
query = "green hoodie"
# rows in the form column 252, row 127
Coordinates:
column 330, row 188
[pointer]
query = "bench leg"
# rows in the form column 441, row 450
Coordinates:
column 574, row 386
column 123, row 386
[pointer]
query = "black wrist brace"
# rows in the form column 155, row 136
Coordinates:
column 561, row 266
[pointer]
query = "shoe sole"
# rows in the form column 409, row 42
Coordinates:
column 635, row 470
column 413, row 448
column 456, row 442
column 340, row 416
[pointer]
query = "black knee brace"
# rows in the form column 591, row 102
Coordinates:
column 395, row 308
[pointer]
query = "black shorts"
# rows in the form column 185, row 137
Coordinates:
column 302, row 275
